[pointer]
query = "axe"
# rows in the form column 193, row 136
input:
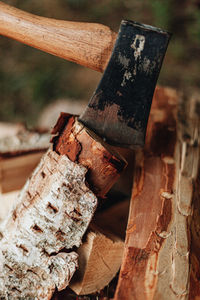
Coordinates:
column 119, row 109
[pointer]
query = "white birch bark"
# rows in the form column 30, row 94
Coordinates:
column 51, row 214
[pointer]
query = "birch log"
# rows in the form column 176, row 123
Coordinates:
column 51, row 215
column 159, row 261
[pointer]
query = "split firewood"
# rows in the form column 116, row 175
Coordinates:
column 20, row 152
column 100, row 258
column 189, row 182
column 159, row 260
column 53, row 212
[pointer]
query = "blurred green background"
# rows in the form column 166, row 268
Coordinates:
column 31, row 79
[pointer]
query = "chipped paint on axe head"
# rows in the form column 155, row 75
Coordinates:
column 119, row 109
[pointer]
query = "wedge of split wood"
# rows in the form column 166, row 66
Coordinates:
column 161, row 258
column 53, row 212
column 100, row 258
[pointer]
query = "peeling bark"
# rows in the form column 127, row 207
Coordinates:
column 103, row 163
column 156, row 263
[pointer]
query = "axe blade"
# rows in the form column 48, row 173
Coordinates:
column 119, row 109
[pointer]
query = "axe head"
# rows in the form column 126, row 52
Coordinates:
column 119, row 109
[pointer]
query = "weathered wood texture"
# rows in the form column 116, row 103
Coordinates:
column 87, row 44
column 51, row 215
column 191, row 168
column 100, row 258
column 158, row 256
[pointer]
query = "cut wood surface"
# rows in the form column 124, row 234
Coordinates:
column 87, row 44
column 158, row 256
column 20, row 152
column 99, row 260
column 52, row 213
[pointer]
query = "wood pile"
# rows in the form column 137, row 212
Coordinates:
column 52, row 237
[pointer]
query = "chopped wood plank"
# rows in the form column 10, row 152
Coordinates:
column 158, row 256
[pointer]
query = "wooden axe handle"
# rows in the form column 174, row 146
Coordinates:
column 87, row 44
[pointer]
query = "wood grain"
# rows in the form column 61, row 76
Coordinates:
column 100, row 258
column 87, row 44
column 158, row 256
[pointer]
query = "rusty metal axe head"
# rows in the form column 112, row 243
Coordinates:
column 119, row 109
